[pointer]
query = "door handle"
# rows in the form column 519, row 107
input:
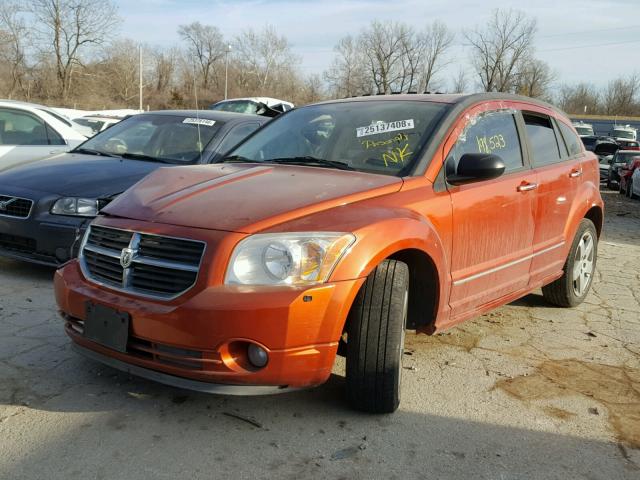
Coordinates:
column 525, row 187
column 575, row 173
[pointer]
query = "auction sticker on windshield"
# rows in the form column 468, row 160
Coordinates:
column 200, row 121
column 381, row 127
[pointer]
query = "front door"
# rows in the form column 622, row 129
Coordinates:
column 494, row 220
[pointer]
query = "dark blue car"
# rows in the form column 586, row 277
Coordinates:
column 45, row 205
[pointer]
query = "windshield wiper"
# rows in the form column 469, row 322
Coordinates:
column 312, row 161
column 148, row 158
column 238, row 159
column 90, row 151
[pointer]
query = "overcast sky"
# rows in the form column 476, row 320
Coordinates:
column 592, row 40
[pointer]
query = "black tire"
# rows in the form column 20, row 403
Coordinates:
column 567, row 291
column 375, row 339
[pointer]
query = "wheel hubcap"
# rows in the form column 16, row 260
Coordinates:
column 583, row 264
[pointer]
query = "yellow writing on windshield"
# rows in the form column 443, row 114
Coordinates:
column 401, row 137
column 396, row 155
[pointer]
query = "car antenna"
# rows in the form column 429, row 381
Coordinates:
column 195, row 94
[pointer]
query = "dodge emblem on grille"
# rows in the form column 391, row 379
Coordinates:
column 4, row 204
column 126, row 257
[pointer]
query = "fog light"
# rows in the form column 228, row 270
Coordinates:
column 258, row 356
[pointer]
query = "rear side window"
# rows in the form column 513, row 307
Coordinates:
column 237, row 133
column 542, row 138
column 492, row 132
column 574, row 145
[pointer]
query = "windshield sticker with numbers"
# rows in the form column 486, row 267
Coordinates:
column 382, row 127
column 200, row 121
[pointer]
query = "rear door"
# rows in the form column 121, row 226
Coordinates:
column 557, row 165
column 493, row 220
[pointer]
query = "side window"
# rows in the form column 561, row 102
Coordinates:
column 573, row 142
column 490, row 132
column 19, row 128
column 54, row 137
column 542, row 137
column 237, row 134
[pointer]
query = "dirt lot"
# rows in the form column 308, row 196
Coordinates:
column 526, row 392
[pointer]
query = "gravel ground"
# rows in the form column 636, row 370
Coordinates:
column 526, row 392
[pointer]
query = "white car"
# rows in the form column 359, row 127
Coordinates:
column 253, row 105
column 31, row 132
column 634, row 187
column 97, row 123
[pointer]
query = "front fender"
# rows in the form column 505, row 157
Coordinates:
column 386, row 238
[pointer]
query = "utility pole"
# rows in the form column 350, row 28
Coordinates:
column 226, row 70
column 140, row 72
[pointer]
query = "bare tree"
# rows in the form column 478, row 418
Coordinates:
column 347, row 74
column 264, row 56
column 206, row 45
column 437, row 40
column 67, row 27
column 621, row 96
column 14, row 34
column 164, row 68
column 534, row 79
column 460, row 82
column 499, row 49
column 382, row 45
column 579, row 98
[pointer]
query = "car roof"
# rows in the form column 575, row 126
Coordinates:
column 209, row 115
column 458, row 100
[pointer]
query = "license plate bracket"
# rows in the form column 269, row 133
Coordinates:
column 107, row 326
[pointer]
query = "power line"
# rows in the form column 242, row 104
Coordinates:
column 590, row 31
column 593, row 45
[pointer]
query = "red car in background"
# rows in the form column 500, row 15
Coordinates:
column 626, row 171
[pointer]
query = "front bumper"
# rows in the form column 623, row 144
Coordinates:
column 195, row 336
column 41, row 238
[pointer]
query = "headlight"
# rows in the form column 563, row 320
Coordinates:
column 287, row 258
column 82, row 207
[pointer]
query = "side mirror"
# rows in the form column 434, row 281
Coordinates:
column 475, row 167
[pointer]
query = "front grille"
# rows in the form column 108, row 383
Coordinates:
column 141, row 263
column 16, row 243
column 15, row 206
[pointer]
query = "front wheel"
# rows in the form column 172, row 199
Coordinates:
column 571, row 289
column 375, row 339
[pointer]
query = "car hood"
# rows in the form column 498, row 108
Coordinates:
column 74, row 174
column 244, row 198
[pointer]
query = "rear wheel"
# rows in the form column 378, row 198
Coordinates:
column 572, row 288
column 375, row 339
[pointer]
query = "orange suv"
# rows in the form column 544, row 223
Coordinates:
column 332, row 230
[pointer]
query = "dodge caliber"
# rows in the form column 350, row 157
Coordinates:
column 331, row 231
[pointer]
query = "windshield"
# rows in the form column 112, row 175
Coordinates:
column 623, row 134
column 169, row 138
column 237, row 106
column 624, row 157
column 584, row 130
column 383, row 137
